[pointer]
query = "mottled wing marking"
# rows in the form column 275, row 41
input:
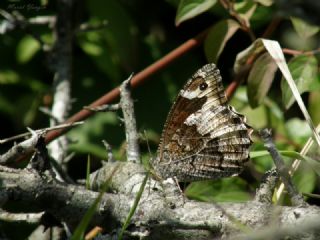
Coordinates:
column 203, row 137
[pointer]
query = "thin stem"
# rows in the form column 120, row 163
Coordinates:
column 296, row 197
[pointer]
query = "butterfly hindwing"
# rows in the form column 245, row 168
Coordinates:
column 203, row 137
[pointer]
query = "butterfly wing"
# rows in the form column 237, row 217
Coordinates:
column 203, row 137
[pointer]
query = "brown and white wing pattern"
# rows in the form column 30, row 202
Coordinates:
column 203, row 138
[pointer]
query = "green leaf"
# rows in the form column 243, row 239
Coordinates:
column 26, row 49
column 255, row 48
column 217, row 38
column 304, row 29
column 222, row 190
column 260, row 79
column 298, row 130
column 305, row 178
column 89, row 135
column 190, row 8
column 304, row 72
column 9, row 77
column 257, row 154
column 256, row 117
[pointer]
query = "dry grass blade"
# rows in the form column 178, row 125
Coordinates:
column 276, row 53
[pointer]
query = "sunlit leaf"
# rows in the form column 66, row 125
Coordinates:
column 217, row 38
column 303, row 28
column 298, row 130
column 256, row 154
column 242, row 57
column 190, row 8
column 305, row 178
column 260, row 79
column 304, row 72
column 9, row 77
column 26, row 49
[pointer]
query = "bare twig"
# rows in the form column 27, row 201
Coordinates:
column 43, row 20
column 62, row 65
column 30, row 218
column 19, row 149
column 300, row 52
column 104, row 108
column 296, row 197
column 47, row 112
column 271, row 27
column 110, row 157
column 126, row 102
column 265, row 191
column 40, row 131
column 40, row 160
column 85, row 27
column 17, row 21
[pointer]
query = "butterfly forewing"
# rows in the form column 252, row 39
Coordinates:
column 203, row 137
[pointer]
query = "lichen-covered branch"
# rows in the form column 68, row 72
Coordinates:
column 126, row 102
column 61, row 55
column 296, row 197
column 158, row 216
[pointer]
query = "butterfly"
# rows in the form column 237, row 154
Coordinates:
column 203, row 138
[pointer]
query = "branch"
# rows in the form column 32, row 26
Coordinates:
column 40, row 131
column 30, row 218
column 126, row 102
column 296, row 197
column 62, row 65
column 104, row 108
column 157, row 216
column 265, row 191
column 17, row 21
column 20, row 149
column 86, row 27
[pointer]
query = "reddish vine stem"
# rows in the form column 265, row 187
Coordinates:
column 271, row 27
column 299, row 52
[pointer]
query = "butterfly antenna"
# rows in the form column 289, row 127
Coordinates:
column 147, row 141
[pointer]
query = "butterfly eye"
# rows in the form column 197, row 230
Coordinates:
column 203, row 86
